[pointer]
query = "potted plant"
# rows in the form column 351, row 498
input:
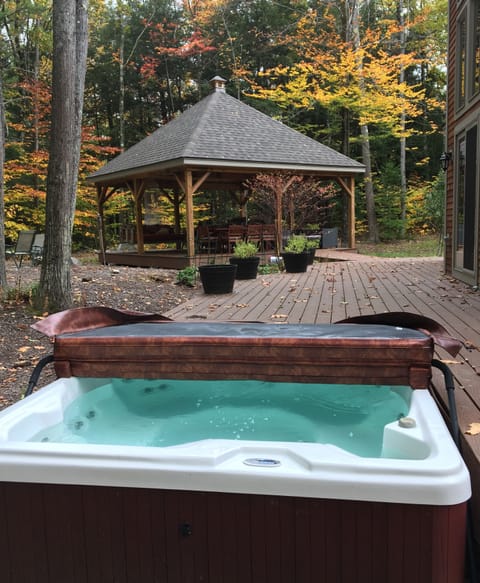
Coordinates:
column 217, row 278
column 312, row 245
column 295, row 255
column 246, row 259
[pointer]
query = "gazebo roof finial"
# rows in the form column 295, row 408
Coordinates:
column 218, row 83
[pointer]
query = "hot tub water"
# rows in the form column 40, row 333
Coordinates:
column 161, row 413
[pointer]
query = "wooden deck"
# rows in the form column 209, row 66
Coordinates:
column 332, row 290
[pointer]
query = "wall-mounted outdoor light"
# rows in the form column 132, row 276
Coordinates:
column 445, row 159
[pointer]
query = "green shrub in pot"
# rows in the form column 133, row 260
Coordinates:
column 244, row 249
column 246, row 259
column 295, row 255
column 296, row 244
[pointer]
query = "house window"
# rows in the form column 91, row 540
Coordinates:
column 466, row 200
column 476, row 49
column 461, row 60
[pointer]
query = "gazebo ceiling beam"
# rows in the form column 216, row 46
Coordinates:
column 195, row 186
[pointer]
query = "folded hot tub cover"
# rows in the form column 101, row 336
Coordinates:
column 415, row 322
column 103, row 342
column 79, row 319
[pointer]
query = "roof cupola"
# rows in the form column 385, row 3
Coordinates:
column 218, row 83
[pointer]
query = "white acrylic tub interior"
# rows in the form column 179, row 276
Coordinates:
column 426, row 467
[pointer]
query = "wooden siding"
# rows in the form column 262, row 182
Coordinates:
column 456, row 120
column 450, row 133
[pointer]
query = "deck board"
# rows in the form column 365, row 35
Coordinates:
column 333, row 290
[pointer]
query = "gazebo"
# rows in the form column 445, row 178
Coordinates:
column 215, row 145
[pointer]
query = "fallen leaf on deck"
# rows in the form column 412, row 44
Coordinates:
column 450, row 361
column 23, row 348
column 470, row 345
column 474, row 429
column 242, row 305
column 279, row 316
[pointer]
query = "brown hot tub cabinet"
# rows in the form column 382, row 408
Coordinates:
column 64, row 532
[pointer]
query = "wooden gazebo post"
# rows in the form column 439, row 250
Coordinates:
column 103, row 194
column 189, row 188
column 190, row 229
column 279, row 192
column 348, row 184
column 138, row 186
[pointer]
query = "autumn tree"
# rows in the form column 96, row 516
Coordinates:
column 293, row 200
column 26, row 166
column 3, row 274
column 119, row 101
column 351, row 71
column 248, row 36
column 69, row 65
column 168, row 70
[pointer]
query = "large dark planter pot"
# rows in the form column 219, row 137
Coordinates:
column 311, row 256
column 218, row 279
column 246, row 267
column 295, row 262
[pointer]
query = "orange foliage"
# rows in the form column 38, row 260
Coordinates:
column 26, row 166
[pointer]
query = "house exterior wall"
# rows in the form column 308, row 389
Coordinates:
column 462, row 141
column 450, row 119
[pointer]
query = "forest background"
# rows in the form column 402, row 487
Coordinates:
column 366, row 78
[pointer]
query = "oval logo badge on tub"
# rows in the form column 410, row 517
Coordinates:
column 261, row 462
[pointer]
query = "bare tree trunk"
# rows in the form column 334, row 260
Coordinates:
column 369, row 193
column 354, row 34
column 403, row 141
column 121, row 104
column 3, row 275
column 69, row 65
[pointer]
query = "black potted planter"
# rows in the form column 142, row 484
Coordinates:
column 295, row 262
column 247, row 267
column 218, row 279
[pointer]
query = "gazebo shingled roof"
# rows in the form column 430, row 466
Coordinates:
column 219, row 141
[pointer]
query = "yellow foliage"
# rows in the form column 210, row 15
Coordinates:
column 364, row 79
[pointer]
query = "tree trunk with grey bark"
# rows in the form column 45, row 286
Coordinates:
column 354, row 34
column 69, row 64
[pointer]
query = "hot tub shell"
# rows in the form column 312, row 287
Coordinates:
column 196, row 512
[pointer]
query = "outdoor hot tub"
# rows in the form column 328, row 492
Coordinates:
column 223, row 452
